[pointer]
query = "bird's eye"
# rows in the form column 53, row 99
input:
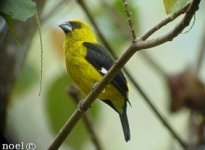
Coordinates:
column 75, row 25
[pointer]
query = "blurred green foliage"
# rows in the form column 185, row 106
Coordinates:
column 26, row 79
column 60, row 106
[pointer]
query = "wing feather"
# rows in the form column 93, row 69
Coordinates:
column 98, row 56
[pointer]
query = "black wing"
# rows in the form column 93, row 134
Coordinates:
column 101, row 59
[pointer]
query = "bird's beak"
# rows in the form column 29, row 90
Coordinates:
column 66, row 27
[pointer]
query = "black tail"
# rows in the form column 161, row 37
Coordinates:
column 125, row 125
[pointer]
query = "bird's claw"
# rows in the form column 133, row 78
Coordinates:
column 80, row 106
column 94, row 87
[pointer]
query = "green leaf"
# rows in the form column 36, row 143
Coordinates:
column 172, row 6
column 18, row 9
column 60, row 106
column 179, row 4
column 168, row 5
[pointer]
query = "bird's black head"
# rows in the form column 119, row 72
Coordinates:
column 77, row 30
column 70, row 26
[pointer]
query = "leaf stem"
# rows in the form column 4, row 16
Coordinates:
column 41, row 52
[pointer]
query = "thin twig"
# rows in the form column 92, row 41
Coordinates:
column 129, row 19
column 75, row 93
column 165, row 22
column 152, row 31
column 201, row 55
column 98, row 87
column 169, row 36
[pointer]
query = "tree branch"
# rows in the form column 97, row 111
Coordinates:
column 134, row 47
column 75, row 94
column 136, row 85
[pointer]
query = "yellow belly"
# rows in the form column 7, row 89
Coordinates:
column 85, row 76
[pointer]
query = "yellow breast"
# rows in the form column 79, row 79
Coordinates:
column 85, row 75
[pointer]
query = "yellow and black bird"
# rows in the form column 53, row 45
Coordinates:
column 87, row 62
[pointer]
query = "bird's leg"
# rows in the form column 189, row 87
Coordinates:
column 94, row 87
column 82, row 107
